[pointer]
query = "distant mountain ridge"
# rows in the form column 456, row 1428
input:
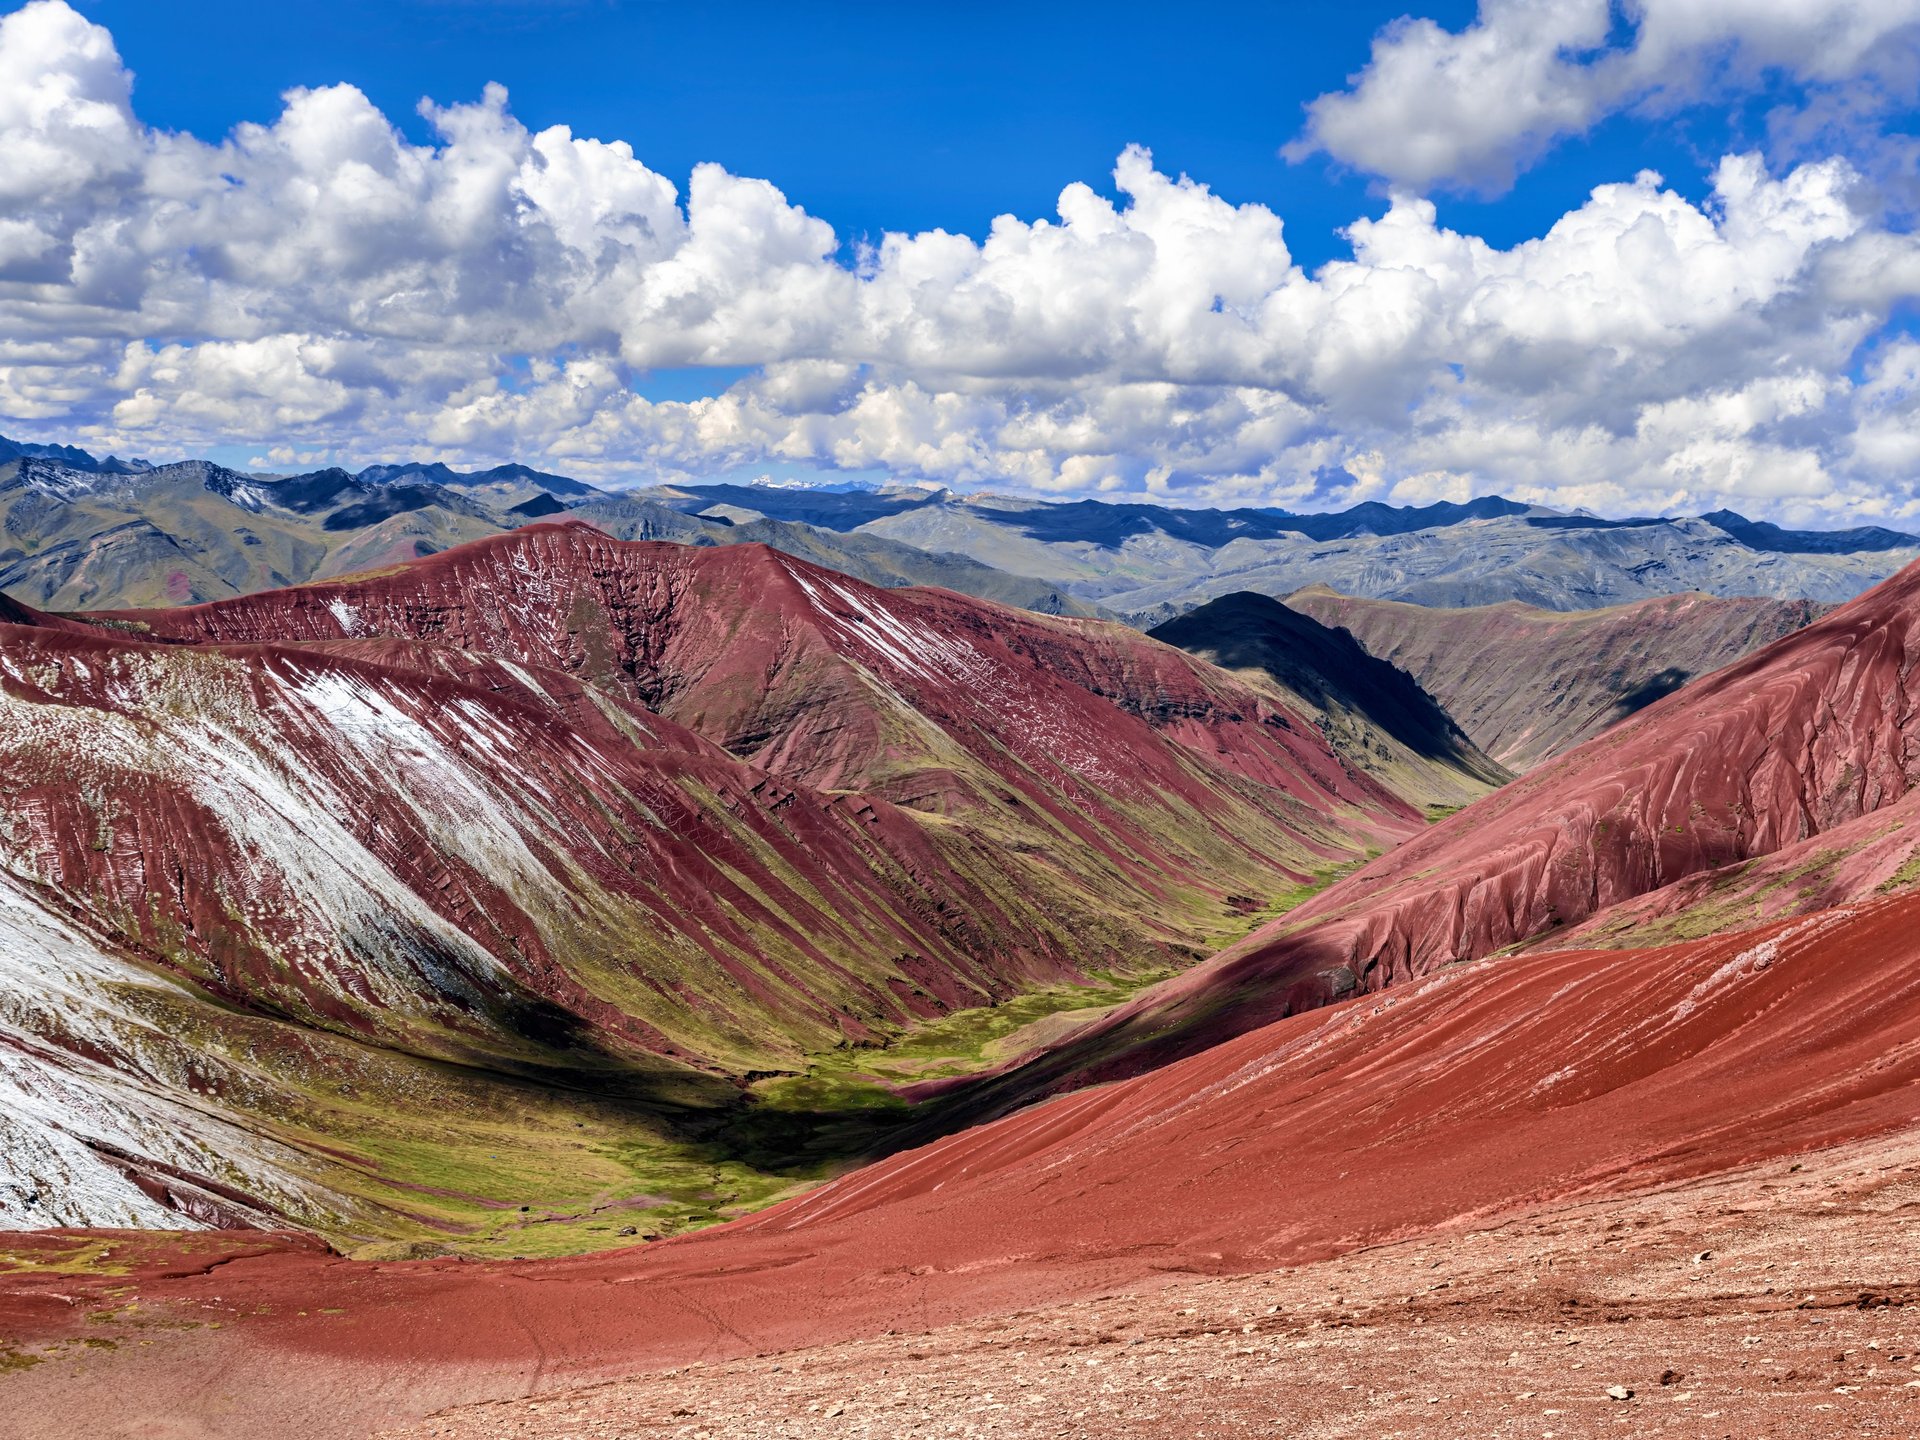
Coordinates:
column 1150, row 563
column 87, row 534
column 1527, row 683
column 1086, row 521
column 71, row 456
column 1146, row 563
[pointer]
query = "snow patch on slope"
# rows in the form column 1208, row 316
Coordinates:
column 1008, row 705
column 62, row 1113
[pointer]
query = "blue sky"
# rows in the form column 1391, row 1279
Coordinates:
column 877, row 118
column 239, row 233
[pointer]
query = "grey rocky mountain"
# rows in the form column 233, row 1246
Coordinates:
column 1150, row 562
column 71, row 456
column 77, row 531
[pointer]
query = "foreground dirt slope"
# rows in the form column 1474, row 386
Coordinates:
column 1528, row 684
column 1470, row 1093
column 1776, row 1301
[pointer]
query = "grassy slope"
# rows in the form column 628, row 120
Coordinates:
column 436, row 1157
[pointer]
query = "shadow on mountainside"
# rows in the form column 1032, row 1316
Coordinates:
column 1657, row 686
column 1328, row 669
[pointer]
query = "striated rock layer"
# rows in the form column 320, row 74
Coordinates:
column 1054, row 732
column 295, row 886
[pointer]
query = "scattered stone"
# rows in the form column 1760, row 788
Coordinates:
column 1732, row 1364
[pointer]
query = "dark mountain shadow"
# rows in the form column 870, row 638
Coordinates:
column 1763, row 535
column 1097, row 522
column 1325, row 667
column 538, row 507
column 1656, row 686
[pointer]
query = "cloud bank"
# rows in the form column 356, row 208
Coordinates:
column 1469, row 109
column 322, row 286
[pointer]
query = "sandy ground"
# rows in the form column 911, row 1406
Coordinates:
column 1776, row 1301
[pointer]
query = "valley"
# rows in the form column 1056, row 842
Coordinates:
column 1536, row 1152
column 654, row 894
column 581, row 868
column 665, row 912
column 755, row 721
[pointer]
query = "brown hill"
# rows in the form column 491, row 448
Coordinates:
column 1374, row 713
column 1528, row 684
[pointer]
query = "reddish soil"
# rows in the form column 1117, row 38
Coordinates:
column 1776, row 1301
column 1449, row 1103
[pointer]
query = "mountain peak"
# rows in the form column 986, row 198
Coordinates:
column 1374, row 713
column 71, row 456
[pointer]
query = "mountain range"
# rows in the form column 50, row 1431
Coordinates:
column 1779, row 785
column 1149, row 562
column 82, row 532
column 535, row 893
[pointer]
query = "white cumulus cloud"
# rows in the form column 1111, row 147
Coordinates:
column 1472, row 107
column 318, row 284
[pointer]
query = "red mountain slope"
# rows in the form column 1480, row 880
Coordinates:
column 250, row 895
column 1796, row 740
column 1132, row 773
column 1477, row 1090
column 294, row 888
column 1875, row 854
